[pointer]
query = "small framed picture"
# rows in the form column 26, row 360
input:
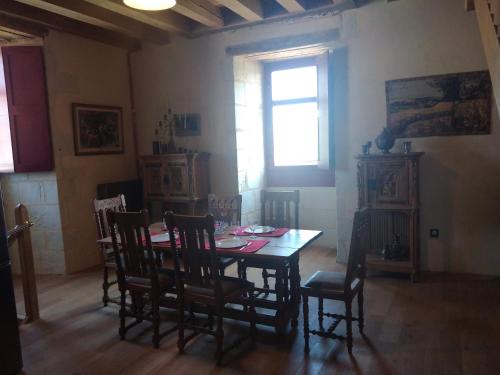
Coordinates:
column 187, row 124
column 97, row 129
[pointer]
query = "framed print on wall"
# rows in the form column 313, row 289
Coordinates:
column 441, row 105
column 97, row 129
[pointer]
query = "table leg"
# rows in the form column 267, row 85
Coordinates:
column 280, row 299
column 295, row 289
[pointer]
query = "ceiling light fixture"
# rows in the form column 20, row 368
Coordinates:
column 150, row 4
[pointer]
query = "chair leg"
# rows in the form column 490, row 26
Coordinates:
column 239, row 265
column 265, row 276
column 348, row 320
column 155, row 305
column 180, row 323
column 361, row 317
column 253, row 316
column 305, row 298
column 320, row 313
column 219, row 336
column 123, row 299
column 105, row 286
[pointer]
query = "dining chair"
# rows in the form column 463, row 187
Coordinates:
column 225, row 209
column 139, row 272
column 201, row 283
column 279, row 209
column 101, row 209
column 340, row 286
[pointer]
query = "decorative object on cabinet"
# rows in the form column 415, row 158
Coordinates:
column 406, row 147
column 389, row 186
column 385, row 141
column 440, row 105
column 365, row 149
column 97, row 129
column 187, row 124
column 160, row 144
column 176, row 181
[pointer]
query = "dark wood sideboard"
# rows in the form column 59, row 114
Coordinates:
column 179, row 182
column 389, row 186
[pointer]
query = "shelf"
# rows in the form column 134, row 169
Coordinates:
column 377, row 262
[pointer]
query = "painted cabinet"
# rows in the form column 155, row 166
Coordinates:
column 388, row 185
column 178, row 181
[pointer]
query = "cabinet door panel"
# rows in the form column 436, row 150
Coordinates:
column 177, row 178
column 388, row 183
column 153, row 180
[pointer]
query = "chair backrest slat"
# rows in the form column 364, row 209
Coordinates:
column 195, row 249
column 276, row 208
column 132, row 245
column 101, row 209
column 360, row 241
column 226, row 209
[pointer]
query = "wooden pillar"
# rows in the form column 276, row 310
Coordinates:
column 27, row 264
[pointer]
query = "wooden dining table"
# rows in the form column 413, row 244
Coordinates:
column 280, row 253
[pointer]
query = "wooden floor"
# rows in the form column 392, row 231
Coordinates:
column 438, row 326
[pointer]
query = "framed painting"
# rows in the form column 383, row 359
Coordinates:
column 187, row 124
column 441, row 105
column 97, row 129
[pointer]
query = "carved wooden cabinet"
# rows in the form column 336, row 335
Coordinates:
column 389, row 187
column 177, row 181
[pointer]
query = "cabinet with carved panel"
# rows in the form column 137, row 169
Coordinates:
column 175, row 181
column 389, row 187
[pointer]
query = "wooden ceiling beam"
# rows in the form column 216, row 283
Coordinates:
column 12, row 23
column 291, row 6
column 89, row 13
column 58, row 22
column 250, row 10
column 164, row 20
column 201, row 11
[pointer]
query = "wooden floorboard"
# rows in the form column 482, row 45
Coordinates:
column 440, row 325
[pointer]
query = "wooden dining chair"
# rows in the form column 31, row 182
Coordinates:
column 101, row 209
column 340, row 287
column 139, row 272
column 225, row 209
column 201, row 283
column 279, row 209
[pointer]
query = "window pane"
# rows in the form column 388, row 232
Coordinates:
column 294, row 83
column 295, row 134
column 6, row 159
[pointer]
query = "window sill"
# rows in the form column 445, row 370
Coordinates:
column 301, row 176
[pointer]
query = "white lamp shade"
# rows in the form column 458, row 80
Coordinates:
column 150, row 4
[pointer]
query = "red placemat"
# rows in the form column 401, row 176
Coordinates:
column 251, row 247
column 278, row 232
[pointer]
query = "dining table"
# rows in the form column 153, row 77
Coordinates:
column 280, row 253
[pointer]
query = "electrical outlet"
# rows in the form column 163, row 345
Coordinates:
column 434, row 232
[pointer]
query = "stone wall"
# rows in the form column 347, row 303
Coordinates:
column 38, row 191
column 249, row 136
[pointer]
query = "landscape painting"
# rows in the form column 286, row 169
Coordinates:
column 441, row 105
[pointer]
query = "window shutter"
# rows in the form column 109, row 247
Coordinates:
column 28, row 110
column 327, row 110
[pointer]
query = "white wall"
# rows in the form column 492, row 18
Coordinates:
column 459, row 175
column 198, row 76
column 84, row 71
column 384, row 41
column 249, row 136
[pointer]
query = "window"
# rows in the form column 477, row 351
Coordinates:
column 6, row 158
column 296, row 117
